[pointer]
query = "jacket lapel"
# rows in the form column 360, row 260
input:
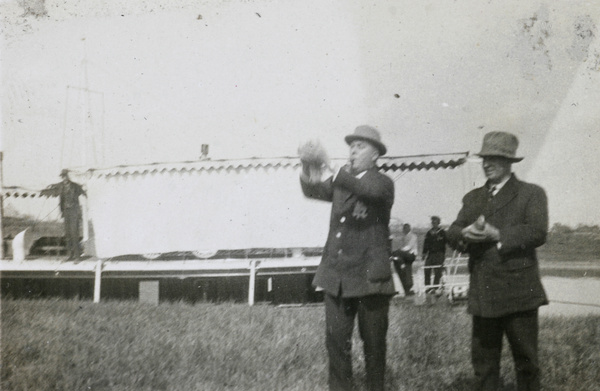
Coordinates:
column 506, row 194
column 349, row 197
column 343, row 199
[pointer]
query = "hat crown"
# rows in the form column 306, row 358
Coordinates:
column 501, row 144
column 369, row 134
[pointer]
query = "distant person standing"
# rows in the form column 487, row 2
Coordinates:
column 355, row 272
column 500, row 225
column 71, row 212
column 404, row 253
column 434, row 252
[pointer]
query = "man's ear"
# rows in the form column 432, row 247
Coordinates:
column 375, row 156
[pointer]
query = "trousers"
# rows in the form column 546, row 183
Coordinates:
column 72, row 217
column 403, row 261
column 434, row 259
column 521, row 330
column 372, row 312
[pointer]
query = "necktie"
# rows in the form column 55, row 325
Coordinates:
column 491, row 191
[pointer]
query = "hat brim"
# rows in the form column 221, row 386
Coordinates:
column 513, row 159
column 377, row 144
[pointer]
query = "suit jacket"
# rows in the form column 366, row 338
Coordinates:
column 69, row 197
column 356, row 256
column 505, row 280
column 435, row 242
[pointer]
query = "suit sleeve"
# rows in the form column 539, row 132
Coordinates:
column 426, row 243
column 376, row 188
column 413, row 245
column 320, row 191
column 454, row 233
column 81, row 191
column 532, row 232
column 61, row 204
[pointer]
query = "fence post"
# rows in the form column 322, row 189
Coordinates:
column 97, row 281
column 1, row 207
column 252, row 283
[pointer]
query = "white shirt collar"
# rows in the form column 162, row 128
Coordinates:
column 361, row 174
column 500, row 185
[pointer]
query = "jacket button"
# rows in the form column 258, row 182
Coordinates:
column 340, row 252
column 338, row 235
column 343, row 219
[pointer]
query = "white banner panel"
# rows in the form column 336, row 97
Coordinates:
column 177, row 209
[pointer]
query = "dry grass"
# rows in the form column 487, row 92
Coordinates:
column 78, row 345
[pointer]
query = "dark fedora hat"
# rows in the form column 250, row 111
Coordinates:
column 64, row 173
column 502, row 144
column 369, row 134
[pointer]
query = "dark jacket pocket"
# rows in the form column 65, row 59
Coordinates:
column 379, row 267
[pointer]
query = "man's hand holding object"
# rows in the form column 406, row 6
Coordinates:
column 314, row 160
column 481, row 231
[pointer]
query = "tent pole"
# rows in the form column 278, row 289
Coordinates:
column 1, row 205
column 252, row 282
column 97, row 281
column 85, row 220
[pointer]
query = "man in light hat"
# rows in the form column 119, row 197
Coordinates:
column 71, row 212
column 500, row 225
column 355, row 272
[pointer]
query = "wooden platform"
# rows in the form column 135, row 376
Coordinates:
column 97, row 270
column 57, row 267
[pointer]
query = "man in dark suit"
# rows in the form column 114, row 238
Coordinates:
column 68, row 193
column 500, row 225
column 71, row 212
column 355, row 271
column 434, row 252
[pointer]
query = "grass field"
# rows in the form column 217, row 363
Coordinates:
column 78, row 345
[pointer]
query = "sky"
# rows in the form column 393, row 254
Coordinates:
column 104, row 83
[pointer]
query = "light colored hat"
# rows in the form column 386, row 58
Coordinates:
column 369, row 134
column 501, row 144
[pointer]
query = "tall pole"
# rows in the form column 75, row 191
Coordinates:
column 97, row 280
column 1, row 179
column 1, row 206
column 252, row 282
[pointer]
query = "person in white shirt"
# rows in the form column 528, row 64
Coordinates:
column 404, row 253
